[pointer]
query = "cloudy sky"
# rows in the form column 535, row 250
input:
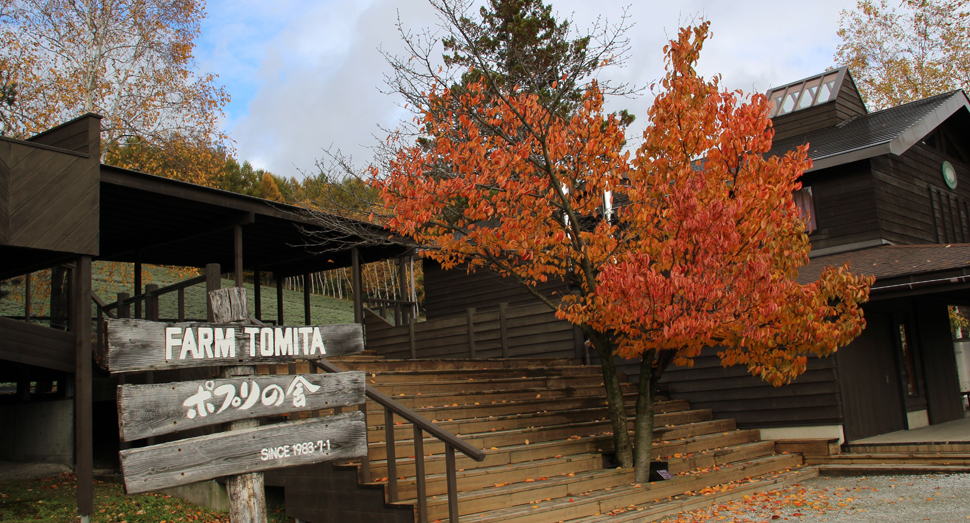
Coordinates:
column 306, row 76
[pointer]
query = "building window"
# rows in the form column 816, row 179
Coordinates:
column 806, row 206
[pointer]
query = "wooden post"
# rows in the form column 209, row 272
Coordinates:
column 247, row 498
column 279, row 300
column 124, row 309
column 238, row 254
column 137, row 290
column 503, row 322
column 27, row 297
column 411, row 341
column 181, row 304
column 83, row 428
column 213, row 281
column 151, row 302
column 402, row 283
column 471, row 333
column 358, row 286
column 306, row 298
column 257, row 284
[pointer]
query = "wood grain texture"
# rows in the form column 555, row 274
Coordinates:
column 156, row 409
column 228, row 453
column 229, row 305
column 139, row 345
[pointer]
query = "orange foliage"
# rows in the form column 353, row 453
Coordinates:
column 698, row 252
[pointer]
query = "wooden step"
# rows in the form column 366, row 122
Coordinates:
column 381, row 364
column 706, row 497
column 891, row 459
column 489, row 384
column 864, row 469
column 578, row 502
column 538, row 419
column 396, row 376
column 492, row 477
column 531, row 435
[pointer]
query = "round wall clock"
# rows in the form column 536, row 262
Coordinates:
column 949, row 175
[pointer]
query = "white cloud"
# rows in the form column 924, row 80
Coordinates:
column 310, row 74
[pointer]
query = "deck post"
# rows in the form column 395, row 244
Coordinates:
column 256, row 295
column 137, row 290
column 306, row 298
column 238, row 254
column 27, row 298
column 83, row 435
column 358, row 286
column 279, row 302
column 213, row 281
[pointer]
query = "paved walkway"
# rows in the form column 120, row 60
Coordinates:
column 957, row 431
column 10, row 471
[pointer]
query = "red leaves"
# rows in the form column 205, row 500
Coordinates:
column 706, row 244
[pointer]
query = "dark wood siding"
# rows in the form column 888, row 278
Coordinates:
column 531, row 332
column 51, row 198
column 36, row 345
column 811, row 399
column 848, row 103
column 452, row 292
column 81, row 135
column 845, row 207
column 805, row 121
column 870, row 383
column 939, row 364
column 914, row 204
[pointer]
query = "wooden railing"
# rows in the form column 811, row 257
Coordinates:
column 403, row 310
column 421, row 425
column 150, row 299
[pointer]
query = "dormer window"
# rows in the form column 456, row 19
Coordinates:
column 805, row 93
column 806, row 207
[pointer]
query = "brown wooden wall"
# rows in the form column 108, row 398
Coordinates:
column 451, row 292
column 914, row 204
column 36, row 345
column 846, row 105
column 531, row 332
column 811, row 399
column 49, row 197
column 845, row 205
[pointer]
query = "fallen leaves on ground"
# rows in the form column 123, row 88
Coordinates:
column 789, row 503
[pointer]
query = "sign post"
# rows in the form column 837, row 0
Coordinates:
column 237, row 397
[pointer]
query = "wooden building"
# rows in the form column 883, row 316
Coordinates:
column 888, row 192
column 61, row 208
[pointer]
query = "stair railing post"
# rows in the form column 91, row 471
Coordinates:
column 452, row 471
column 181, row 304
column 391, row 459
column 151, row 302
column 365, row 461
column 411, row 341
column 124, row 306
column 471, row 333
column 503, row 322
column 419, row 475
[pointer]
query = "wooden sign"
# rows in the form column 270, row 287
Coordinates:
column 143, row 345
column 153, row 410
column 339, row 437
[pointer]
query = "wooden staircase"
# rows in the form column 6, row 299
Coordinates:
column 544, row 427
column 894, row 458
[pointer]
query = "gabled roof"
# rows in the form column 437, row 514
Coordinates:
column 890, row 131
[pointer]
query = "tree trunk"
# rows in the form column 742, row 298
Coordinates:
column 643, row 425
column 614, row 398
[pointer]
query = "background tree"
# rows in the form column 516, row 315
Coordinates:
column 128, row 60
column 906, row 54
column 525, row 199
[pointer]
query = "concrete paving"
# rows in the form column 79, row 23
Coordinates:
column 957, row 431
column 10, row 471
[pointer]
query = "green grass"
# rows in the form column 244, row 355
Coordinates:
column 108, row 283
column 53, row 500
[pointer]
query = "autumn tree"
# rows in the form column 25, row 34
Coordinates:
column 903, row 54
column 718, row 241
column 129, row 60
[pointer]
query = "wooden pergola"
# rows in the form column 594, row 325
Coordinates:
column 60, row 206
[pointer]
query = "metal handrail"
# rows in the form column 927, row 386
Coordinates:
column 420, row 425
